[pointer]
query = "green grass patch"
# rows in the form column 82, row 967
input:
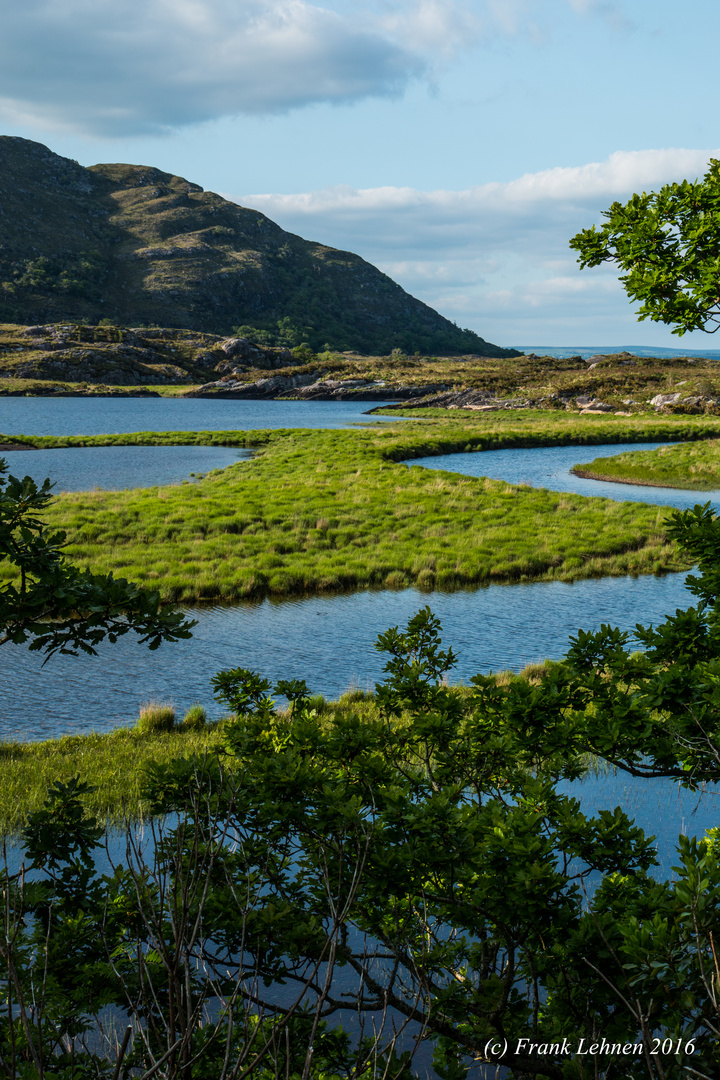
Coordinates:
column 696, row 467
column 321, row 511
column 111, row 762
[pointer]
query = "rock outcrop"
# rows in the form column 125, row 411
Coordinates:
column 133, row 244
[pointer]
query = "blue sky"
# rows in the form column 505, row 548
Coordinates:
column 458, row 146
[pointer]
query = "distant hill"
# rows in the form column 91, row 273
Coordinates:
column 137, row 246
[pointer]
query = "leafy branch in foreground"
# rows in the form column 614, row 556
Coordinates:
column 334, row 891
column 56, row 606
column 668, row 244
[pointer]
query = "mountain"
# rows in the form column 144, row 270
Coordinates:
column 137, row 246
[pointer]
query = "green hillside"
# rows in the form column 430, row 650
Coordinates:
column 138, row 246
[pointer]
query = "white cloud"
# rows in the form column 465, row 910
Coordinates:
column 496, row 257
column 129, row 66
column 124, row 67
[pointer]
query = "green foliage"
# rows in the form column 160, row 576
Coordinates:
column 303, row 353
column 80, row 276
column 668, row 244
column 155, row 718
column 426, row 860
column 55, row 606
column 195, row 718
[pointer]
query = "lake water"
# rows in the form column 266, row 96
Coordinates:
column 549, row 467
column 110, row 416
column 82, row 468
column 328, row 641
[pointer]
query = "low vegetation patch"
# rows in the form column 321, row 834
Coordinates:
column 334, row 510
column 114, row 763
column 155, row 718
column 58, row 359
column 695, row 466
column 111, row 763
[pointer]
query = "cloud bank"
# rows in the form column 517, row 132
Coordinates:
column 122, row 67
column 128, row 67
column 495, row 257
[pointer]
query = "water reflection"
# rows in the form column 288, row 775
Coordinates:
column 328, row 641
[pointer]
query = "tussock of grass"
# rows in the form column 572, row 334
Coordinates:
column 695, row 467
column 195, row 718
column 322, row 511
column 155, row 717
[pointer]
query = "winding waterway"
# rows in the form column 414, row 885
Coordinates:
column 549, row 467
column 328, row 641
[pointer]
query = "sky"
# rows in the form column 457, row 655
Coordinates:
column 458, row 145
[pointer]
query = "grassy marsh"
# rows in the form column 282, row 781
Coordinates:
column 110, row 762
column 695, row 467
column 321, row 510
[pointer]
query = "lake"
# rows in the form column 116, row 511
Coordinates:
column 328, row 640
column 111, row 416
column 83, row 468
column 549, row 467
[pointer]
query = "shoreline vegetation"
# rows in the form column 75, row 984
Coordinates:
column 331, row 510
column 318, row 510
column 693, row 467
column 114, row 762
column 75, row 359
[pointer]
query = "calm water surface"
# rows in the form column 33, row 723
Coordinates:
column 110, row 416
column 83, row 468
column 328, row 640
column 549, row 467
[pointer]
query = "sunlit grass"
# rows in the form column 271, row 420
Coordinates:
column 695, row 466
column 336, row 510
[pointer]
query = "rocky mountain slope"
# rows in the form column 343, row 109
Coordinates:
column 138, row 246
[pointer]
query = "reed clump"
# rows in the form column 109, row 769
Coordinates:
column 156, row 718
column 195, row 718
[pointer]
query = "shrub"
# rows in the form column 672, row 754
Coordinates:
column 155, row 718
column 195, row 718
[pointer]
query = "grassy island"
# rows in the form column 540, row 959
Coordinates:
column 695, row 466
column 318, row 510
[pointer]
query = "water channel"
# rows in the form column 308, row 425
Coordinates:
column 326, row 640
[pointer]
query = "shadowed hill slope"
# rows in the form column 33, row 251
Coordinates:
column 136, row 245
